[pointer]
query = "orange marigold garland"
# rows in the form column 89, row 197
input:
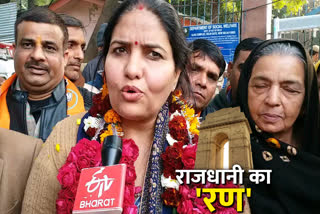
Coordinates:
column 180, row 154
column 105, row 91
column 111, row 117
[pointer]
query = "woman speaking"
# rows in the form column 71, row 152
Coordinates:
column 145, row 53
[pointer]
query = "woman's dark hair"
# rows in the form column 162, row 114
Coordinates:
column 208, row 48
column 307, row 125
column 170, row 21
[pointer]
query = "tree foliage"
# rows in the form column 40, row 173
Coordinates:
column 230, row 10
column 42, row 2
column 290, row 6
column 27, row 4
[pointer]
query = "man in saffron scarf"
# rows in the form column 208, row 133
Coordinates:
column 76, row 45
column 38, row 96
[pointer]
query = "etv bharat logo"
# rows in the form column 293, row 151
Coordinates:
column 102, row 183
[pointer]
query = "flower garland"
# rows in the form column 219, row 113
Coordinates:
column 84, row 155
column 87, row 154
column 180, row 154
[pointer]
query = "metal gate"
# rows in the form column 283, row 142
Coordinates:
column 303, row 27
column 199, row 12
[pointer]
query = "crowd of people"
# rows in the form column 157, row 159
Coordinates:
column 150, row 87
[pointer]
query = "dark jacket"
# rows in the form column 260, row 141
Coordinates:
column 87, row 97
column 219, row 101
column 51, row 114
column 90, row 71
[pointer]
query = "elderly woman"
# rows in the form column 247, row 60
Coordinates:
column 145, row 54
column 278, row 94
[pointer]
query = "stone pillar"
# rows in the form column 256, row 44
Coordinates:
column 254, row 19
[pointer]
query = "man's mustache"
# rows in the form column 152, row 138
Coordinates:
column 36, row 64
column 74, row 64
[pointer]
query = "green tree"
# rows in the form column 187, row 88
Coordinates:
column 27, row 4
column 42, row 2
column 230, row 10
column 289, row 7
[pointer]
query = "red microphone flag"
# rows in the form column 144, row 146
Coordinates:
column 101, row 190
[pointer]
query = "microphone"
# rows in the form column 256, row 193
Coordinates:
column 101, row 189
column 111, row 150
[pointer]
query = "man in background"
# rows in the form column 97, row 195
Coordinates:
column 227, row 97
column 75, row 49
column 76, row 45
column 314, row 53
column 34, row 99
column 94, row 69
column 206, row 65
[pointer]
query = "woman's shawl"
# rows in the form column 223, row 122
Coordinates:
column 151, row 194
column 295, row 173
column 151, row 199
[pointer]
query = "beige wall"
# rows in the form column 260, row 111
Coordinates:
column 254, row 20
column 87, row 13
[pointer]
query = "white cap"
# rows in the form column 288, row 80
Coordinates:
column 315, row 48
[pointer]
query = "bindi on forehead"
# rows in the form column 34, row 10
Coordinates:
column 136, row 43
column 140, row 6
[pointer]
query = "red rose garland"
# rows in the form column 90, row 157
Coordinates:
column 88, row 154
column 84, row 155
column 181, row 154
column 130, row 153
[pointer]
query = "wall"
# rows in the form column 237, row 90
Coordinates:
column 87, row 13
column 254, row 19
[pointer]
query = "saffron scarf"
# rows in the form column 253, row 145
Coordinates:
column 74, row 100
